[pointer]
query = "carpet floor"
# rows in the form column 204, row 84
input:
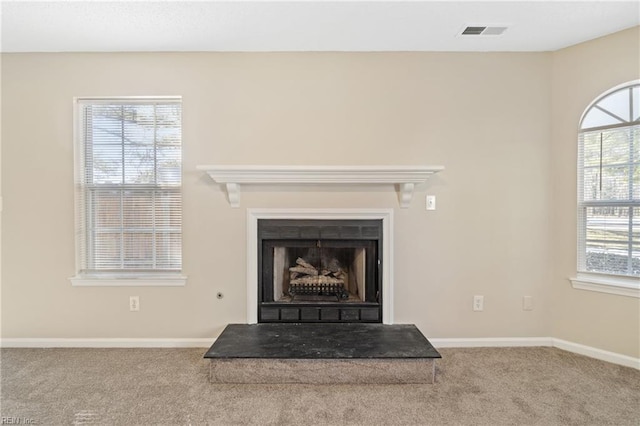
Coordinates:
column 475, row 386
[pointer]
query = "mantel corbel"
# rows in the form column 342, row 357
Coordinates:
column 404, row 177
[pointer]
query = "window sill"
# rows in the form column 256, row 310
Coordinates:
column 160, row 280
column 612, row 284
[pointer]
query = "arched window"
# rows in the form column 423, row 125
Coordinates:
column 609, row 186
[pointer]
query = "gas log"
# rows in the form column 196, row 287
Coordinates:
column 306, row 279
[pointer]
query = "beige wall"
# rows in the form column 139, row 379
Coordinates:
column 580, row 74
column 484, row 116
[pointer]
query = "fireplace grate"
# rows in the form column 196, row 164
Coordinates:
column 326, row 289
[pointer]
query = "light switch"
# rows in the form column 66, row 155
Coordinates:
column 431, row 202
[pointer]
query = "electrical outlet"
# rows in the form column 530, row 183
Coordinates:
column 527, row 303
column 478, row 303
column 134, row 303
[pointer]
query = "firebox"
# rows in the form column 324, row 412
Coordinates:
column 319, row 270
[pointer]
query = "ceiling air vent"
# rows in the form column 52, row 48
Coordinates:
column 478, row 30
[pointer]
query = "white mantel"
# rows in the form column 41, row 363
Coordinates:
column 405, row 177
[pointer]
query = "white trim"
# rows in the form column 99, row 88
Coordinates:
column 612, row 284
column 491, row 342
column 160, row 281
column 386, row 215
column 157, row 278
column 604, row 95
column 177, row 99
column 105, row 343
column 596, row 353
column 577, row 348
column 405, row 177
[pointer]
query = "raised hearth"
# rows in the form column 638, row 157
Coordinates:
column 322, row 353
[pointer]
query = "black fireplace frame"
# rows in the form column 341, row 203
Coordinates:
column 364, row 233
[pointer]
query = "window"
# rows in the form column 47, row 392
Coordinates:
column 609, row 189
column 128, row 191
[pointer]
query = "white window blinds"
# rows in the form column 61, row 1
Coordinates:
column 129, row 202
column 609, row 184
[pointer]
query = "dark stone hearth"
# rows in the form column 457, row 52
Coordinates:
column 322, row 341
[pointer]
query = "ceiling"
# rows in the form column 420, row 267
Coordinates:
column 98, row 26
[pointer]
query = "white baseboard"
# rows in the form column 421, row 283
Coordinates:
column 577, row 348
column 491, row 342
column 105, row 343
column 596, row 353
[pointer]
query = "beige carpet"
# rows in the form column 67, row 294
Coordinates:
column 493, row 386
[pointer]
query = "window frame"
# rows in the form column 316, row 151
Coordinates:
column 117, row 278
column 624, row 285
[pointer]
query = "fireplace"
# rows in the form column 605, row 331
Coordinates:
column 319, row 270
column 403, row 178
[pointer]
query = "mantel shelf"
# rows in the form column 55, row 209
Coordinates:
column 405, row 177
